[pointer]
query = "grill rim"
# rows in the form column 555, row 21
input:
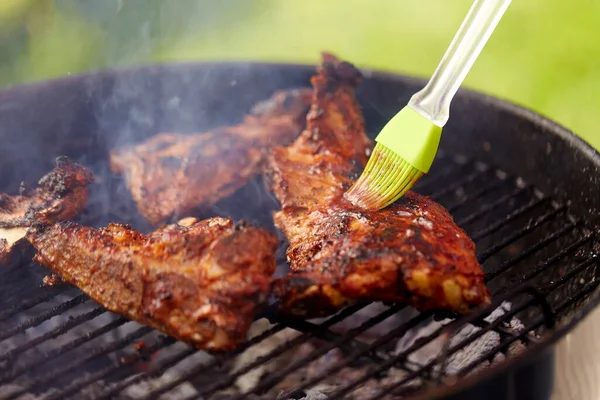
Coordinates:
column 547, row 129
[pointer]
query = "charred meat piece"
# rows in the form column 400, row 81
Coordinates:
column 200, row 282
column 61, row 195
column 171, row 174
column 410, row 252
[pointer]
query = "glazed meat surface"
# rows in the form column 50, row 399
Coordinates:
column 200, row 282
column 61, row 195
column 410, row 252
column 171, row 174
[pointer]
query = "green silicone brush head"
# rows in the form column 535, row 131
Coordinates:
column 405, row 150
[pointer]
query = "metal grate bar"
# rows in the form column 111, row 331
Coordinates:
column 501, row 347
column 513, row 215
column 386, row 390
column 478, row 317
column 420, row 343
column 171, row 361
column 229, row 379
column 492, row 206
column 571, row 274
column 459, row 183
column 168, row 363
column 51, row 355
column 505, row 343
column 475, row 195
column 109, row 347
column 531, row 327
column 339, row 393
column 274, row 378
column 543, row 265
column 45, row 316
column 163, row 342
column 526, row 253
column 71, row 323
column 414, row 375
column 27, row 304
column 519, row 234
column 432, row 180
column 393, row 334
column 18, row 292
column 351, row 345
column 494, row 326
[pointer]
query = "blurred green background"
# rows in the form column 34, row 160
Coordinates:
column 545, row 54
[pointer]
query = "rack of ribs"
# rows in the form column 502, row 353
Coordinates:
column 198, row 281
column 61, row 195
column 170, row 174
column 411, row 252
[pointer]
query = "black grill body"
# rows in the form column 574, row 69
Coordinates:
column 524, row 188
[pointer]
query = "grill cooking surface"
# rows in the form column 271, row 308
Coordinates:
column 540, row 263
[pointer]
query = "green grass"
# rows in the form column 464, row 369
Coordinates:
column 544, row 54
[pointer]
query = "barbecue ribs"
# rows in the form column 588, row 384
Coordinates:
column 410, row 252
column 170, row 175
column 200, row 282
column 61, row 195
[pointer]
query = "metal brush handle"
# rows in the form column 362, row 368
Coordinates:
column 433, row 101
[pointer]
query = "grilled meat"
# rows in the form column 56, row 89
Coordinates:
column 61, row 195
column 200, row 282
column 170, row 174
column 410, row 252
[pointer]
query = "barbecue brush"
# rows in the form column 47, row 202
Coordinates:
column 407, row 144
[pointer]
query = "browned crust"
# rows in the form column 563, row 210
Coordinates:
column 411, row 252
column 200, row 282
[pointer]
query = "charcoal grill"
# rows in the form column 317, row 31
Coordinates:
column 524, row 188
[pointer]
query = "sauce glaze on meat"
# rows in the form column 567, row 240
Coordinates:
column 410, row 252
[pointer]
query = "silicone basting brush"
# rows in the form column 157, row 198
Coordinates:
column 407, row 145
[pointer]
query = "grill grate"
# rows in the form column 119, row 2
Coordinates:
column 540, row 263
